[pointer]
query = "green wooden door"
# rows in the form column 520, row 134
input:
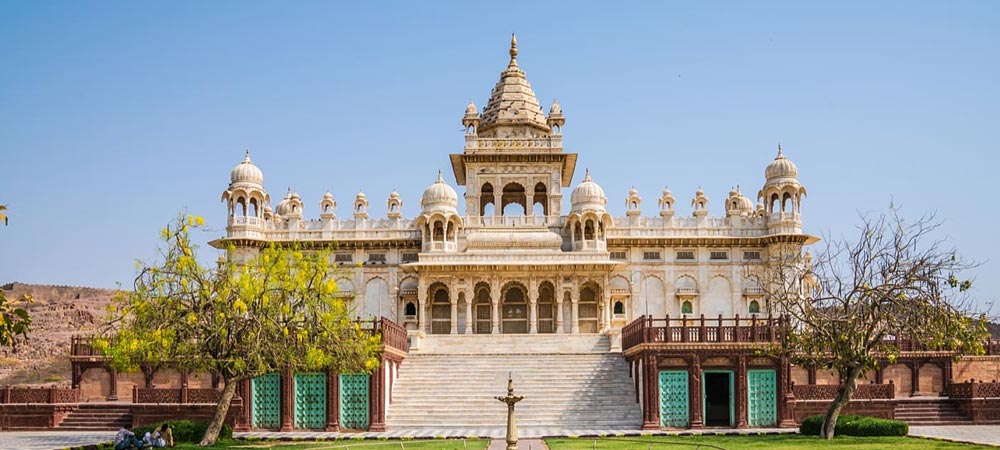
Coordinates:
column 265, row 406
column 674, row 398
column 310, row 400
column 762, row 398
column 354, row 401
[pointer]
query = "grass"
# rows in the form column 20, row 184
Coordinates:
column 785, row 441
column 345, row 444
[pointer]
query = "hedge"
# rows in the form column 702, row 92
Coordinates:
column 856, row 426
column 185, row 430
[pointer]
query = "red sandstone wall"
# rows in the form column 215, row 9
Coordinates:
column 900, row 376
column 976, row 367
column 800, row 375
column 875, row 408
column 931, row 379
column 827, row 377
column 95, row 385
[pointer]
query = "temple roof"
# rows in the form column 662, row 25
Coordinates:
column 512, row 101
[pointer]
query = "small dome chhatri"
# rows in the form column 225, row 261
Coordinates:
column 781, row 167
column 246, row 172
column 439, row 196
column 588, row 195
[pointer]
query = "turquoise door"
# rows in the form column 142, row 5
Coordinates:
column 673, row 398
column 265, row 406
column 310, row 400
column 354, row 401
column 762, row 398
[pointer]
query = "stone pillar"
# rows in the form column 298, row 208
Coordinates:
column 287, row 400
column 495, row 317
column 332, row 400
column 786, row 397
column 533, row 307
column 695, row 394
column 422, row 323
column 741, row 392
column 559, row 313
column 915, row 377
column 651, row 394
column 574, row 311
column 497, row 194
column 113, row 395
column 453, row 296
column 376, row 399
column 946, row 374
column 468, row 313
column 607, row 306
column 811, row 374
column 244, row 391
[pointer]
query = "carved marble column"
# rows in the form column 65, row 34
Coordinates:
column 453, row 296
column 422, row 323
column 468, row 313
column 559, row 313
column 574, row 311
column 533, row 306
column 495, row 303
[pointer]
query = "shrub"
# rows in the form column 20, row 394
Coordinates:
column 185, row 430
column 856, row 426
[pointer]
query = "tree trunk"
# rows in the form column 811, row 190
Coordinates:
column 221, row 410
column 843, row 397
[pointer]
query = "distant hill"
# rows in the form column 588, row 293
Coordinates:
column 58, row 313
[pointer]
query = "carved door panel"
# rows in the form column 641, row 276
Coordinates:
column 265, row 406
column 310, row 400
column 354, row 401
column 762, row 399
column 674, row 398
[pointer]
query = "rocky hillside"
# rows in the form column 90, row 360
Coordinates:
column 58, row 313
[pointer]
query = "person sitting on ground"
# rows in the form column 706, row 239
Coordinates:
column 166, row 436
column 152, row 438
column 126, row 439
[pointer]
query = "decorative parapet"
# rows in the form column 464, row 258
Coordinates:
column 182, row 395
column 974, row 389
column 647, row 330
column 548, row 144
column 829, row 391
column 10, row 395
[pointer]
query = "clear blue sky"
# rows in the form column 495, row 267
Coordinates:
column 116, row 115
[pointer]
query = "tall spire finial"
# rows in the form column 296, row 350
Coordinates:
column 247, row 157
column 779, row 151
column 586, row 175
column 440, row 178
column 513, row 47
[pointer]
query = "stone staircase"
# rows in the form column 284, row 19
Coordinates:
column 569, row 383
column 96, row 417
column 930, row 411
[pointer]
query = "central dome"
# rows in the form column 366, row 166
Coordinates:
column 781, row 167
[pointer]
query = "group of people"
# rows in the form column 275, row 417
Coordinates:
column 158, row 437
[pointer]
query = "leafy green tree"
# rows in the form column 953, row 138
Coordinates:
column 859, row 300
column 277, row 310
column 14, row 320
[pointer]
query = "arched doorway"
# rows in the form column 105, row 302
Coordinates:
column 514, row 310
column 546, row 308
column 440, row 309
column 588, row 309
column 483, row 310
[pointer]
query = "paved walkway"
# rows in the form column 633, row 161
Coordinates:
column 522, row 444
column 497, row 433
column 48, row 440
column 973, row 434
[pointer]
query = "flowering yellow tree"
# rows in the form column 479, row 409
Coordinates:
column 279, row 310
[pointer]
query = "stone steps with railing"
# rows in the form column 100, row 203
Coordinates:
column 568, row 384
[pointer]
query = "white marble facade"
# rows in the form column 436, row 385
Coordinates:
column 512, row 261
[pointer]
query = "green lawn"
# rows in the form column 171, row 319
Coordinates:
column 348, row 444
column 787, row 441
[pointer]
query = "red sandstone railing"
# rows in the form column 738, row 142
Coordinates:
column 829, row 391
column 39, row 395
column 182, row 395
column 393, row 336
column 647, row 330
column 974, row 389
